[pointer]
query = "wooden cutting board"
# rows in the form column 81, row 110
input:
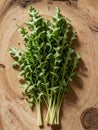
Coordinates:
column 15, row 113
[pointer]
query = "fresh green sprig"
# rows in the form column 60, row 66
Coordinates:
column 48, row 63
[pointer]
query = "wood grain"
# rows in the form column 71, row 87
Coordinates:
column 15, row 113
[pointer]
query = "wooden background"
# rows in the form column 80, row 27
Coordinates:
column 15, row 113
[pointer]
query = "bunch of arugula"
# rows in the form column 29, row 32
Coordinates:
column 48, row 63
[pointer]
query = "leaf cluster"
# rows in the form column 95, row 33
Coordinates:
column 49, row 62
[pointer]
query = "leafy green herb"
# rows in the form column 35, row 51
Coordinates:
column 48, row 63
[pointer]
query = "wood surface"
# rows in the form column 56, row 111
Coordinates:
column 15, row 113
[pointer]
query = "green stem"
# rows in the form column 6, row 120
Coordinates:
column 47, row 119
column 39, row 119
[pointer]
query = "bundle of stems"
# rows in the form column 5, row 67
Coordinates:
column 48, row 62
